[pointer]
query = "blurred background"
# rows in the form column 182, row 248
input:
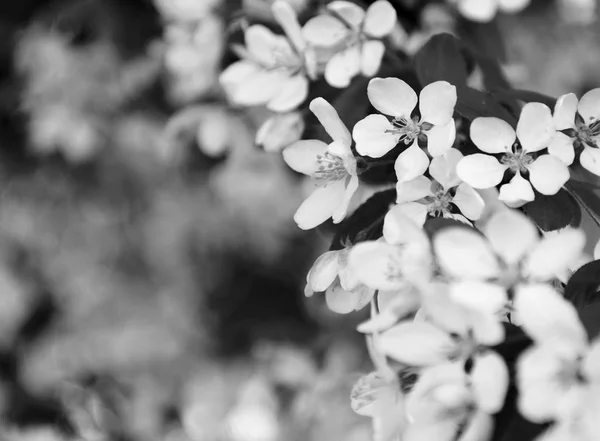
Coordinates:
column 151, row 275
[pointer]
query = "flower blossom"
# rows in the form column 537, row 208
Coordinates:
column 578, row 124
column 485, row 10
column 423, row 197
column 332, row 167
column 357, row 33
column 535, row 131
column 273, row 69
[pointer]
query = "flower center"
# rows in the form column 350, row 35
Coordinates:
column 517, row 160
column 330, row 168
column 589, row 133
column 286, row 60
column 439, row 203
column 407, row 129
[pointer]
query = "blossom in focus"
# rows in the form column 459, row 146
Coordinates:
column 438, row 197
column 332, row 167
column 530, row 168
column 357, row 33
column 273, row 69
column 486, row 10
column 280, row 131
column 578, row 125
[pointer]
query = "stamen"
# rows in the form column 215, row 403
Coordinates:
column 517, row 160
column 407, row 129
column 330, row 169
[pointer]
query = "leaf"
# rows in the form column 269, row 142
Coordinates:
column 585, row 192
column 473, row 103
column 366, row 223
column 486, row 38
column 441, row 58
column 526, row 96
column 590, row 317
column 434, row 225
column 582, row 288
column 552, row 213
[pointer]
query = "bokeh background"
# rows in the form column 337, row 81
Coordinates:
column 151, row 276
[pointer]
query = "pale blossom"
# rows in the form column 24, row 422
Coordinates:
column 486, row 10
column 578, row 125
column 279, row 131
column 186, row 10
column 530, row 168
column 273, row 70
column 356, row 33
column 332, row 167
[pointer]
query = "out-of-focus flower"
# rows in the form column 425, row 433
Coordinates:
column 280, row 131
column 486, row 10
column 578, row 125
column 582, row 12
column 357, row 33
column 261, row 9
column 332, row 167
column 494, row 136
column 376, row 135
column 274, row 70
column 186, row 10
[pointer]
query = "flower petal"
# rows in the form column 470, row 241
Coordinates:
column 484, row 297
column 589, row 105
column 417, row 344
column 480, row 171
column 350, row 12
column 517, row 192
column 590, row 160
column 302, row 156
column 323, row 273
column 492, row 135
column 280, row 131
column 292, row 93
column 561, row 147
column 380, row 19
column 548, row 174
column 564, row 111
column 440, row 139
column 342, row 208
column 330, row 120
column 411, row 191
column 392, row 96
column 288, row 20
column 469, row 202
column 341, row 301
column 411, row 163
column 465, row 254
column 511, row 235
column 370, row 57
column 513, row 6
column 436, row 103
column 443, row 168
column 343, row 66
column 371, row 137
column 403, row 222
column 535, row 128
column 325, row 30
column 248, row 85
column 260, row 42
column 478, row 10
column 320, row 205
column 489, row 381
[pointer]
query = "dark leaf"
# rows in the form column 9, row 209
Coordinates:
column 590, row 317
column 435, row 224
column 582, row 288
column 527, row 96
column 587, row 192
column 366, row 223
column 554, row 212
column 486, row 38
column 441, row 58
column 473, row 103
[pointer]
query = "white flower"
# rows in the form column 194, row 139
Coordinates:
column 422, row 197
column 343, row 292
column 357, row 32
column 494, row 136
column 273, row 69
column 510, row 255
column 279, row 131
column 578, row 122
column 185, row 10
column 485, row 10
column 332, row 167
column 376, row 135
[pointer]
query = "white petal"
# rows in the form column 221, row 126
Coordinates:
column 342, row 208
column 564, row 111
column 561, row 147
column 492, row 135
column 535, row 128
column 597, row 251
column 280, row 131
column 469, row 202
column 372, row 395
column 417, row 344
column 371, row 137
column 464, row 254
column 590, row 160
column 443, row 168
column 325, row 30
column 480, row 427
column 370, row 57
column 478, row 10
column 484, row 297
column 513, row 6
column 343, row 66
column 411, row 163
column 350, row 12
column 392, row 96
column 548, row 318
column 511, row 235
column 260, row 42
column 480, row 171
column 323, row 273
column 320, row 205
column 302, row 155
column 341, row 301
column 377, row 265
column 248, row 85
column 411, row 191
column 403, row 222
column 288, row 20
column 330, row 120
column 589, row 105
column 292, row 93
column 436, row 103
column 489, row 381
column 548, row 174
column 380, row 19
column 487, row 329
column 440, row 139
column 517, row 192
